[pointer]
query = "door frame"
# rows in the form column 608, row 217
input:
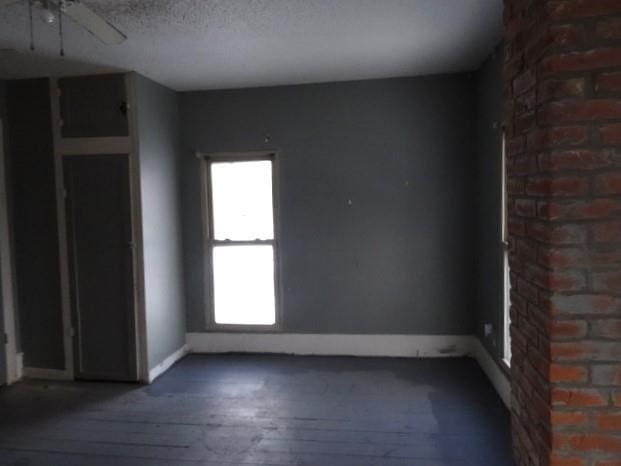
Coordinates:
column 13, row 371
column 76, row 315
column 99, row 146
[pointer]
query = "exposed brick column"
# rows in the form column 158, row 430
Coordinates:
column 563, row 130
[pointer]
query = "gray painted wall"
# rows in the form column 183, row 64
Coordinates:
column 158, row 133
column 489, row 265
column 376, row 197
column 33, row 205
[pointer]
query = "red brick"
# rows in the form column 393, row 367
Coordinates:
column 578, row 397
column 567, row 329
column 550, row 138
column 566, row 234
column 515, row 146
column 557, row 186
column 556, row 280
column 606, row 374
column 608, row 463
column 608, row 421
column 524, row 122
column 607, row 232
column 524, row 82
column 569, row 9
column 577, row 159
column 526, row 250
column 553, row 89
column 527, row 290
column 524, row 208
column 515, row 185
column 612, row 257
column 516, row 226
column 560, row 258
column 565, row 281
column 568, row 419
column 583, row 442
column 525, row 102
column 606, row 328
column 566, row 34
column 591, row 305
column 586, row 351
column 609, row 28
column 575, row 111
column 611, row 134
column 608, row 82
column 567, row 374
column 579, row 61
column 513, row 68
column 558, row 460
column 609, row 281
column 608, row 183
column 579, row 210
column 522, row 165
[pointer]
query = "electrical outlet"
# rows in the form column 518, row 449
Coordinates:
column 488, row 329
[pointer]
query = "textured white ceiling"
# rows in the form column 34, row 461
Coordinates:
column 214, row 44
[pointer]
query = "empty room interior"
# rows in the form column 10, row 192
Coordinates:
column 310, row 232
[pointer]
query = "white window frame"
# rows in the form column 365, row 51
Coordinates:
column 210, row 242
column 506, row 282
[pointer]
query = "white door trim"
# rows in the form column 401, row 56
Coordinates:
column 6, row 275
column 99, row 146
column 61, row 219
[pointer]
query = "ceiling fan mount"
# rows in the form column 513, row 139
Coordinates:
column 52, row 11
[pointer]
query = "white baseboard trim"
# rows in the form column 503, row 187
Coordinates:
column 424, row 346
column 167, row 363
column 47, row 374
column 497, row 377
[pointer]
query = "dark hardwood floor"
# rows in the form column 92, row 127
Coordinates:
column 264, row 410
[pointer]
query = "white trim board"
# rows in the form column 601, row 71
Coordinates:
column 47, row 374
column 167, row 363
column 497, row 377
column 6, row 277
column 427, row 346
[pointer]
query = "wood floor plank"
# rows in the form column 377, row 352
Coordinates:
column 264, row 410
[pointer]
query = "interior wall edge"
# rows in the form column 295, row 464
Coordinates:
column 167, row 363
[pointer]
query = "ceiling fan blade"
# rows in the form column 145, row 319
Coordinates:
column 93, row 23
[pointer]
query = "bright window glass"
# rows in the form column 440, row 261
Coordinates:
column 242, row 200
column 244, row 284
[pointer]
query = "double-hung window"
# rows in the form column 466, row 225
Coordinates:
column 241, row 239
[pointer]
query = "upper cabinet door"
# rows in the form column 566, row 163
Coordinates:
column 93, row 106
